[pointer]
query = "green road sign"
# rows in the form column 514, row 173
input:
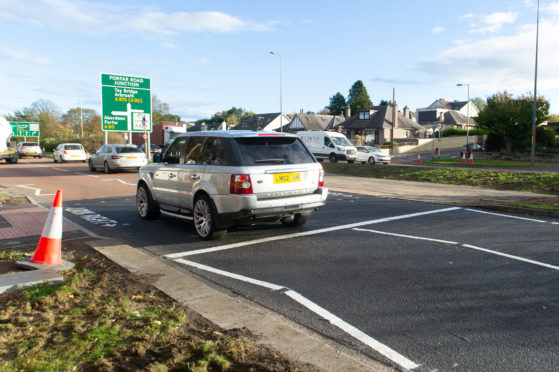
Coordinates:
column 126, row 102
column 25, row 129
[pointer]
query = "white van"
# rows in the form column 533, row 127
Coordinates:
column 328, row 145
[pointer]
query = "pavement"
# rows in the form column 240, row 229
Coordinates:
column 22, row 225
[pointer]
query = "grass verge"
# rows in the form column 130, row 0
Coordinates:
column 105, row 318
column 456, row 162
column 543, row 183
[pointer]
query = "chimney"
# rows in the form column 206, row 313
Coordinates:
column 301, row 111
column 406, row 112
column 348, row 112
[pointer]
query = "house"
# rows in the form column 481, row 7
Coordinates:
column 457, row 114
column 375, row 126
column 269, row 122
column 313, row 122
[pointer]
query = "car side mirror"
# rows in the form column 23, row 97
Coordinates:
column 157, row 158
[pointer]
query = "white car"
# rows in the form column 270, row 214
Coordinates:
column 371, row 155
column 69, row 152
column 29, row 149
column 117, row 157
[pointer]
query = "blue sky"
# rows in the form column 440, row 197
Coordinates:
column 208, row 56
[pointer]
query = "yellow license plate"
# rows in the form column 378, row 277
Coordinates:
column 131, row 157
column 75, row 156
column 287, row 177
column 31, row 152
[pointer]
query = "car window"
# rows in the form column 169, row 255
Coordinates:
column 175, row 153
column 193, row 150
column 341, row 141
column 264, row 150
column 213, row 152
column 29, row 144
column 73, row 147
column 127, row 149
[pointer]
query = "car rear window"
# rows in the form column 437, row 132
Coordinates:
column 128, row 149
column 29, row 144
column 265, row 150
column 73, row 147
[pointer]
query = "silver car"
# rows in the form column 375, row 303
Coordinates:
column 29, row 149
column 371, row 155
column 220, row 179
column 117, row 157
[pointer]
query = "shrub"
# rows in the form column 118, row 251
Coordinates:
column 495, row 142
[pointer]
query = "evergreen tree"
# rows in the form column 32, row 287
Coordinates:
column 337, row 104
column 358, row 98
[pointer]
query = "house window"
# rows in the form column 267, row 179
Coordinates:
column 364, row 115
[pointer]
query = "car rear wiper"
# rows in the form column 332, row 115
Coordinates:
column 271, row 161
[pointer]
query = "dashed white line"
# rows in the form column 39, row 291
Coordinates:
column 306, row 233
column 505, row 215
column 320, row 311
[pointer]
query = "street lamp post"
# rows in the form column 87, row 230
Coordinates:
column 535, row 104
column 281, row 108
column 468, row 103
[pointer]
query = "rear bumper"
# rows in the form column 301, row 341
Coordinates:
column 232, row 209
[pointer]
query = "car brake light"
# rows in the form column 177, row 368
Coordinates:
column 240, row 184
column 115, row 157
column 320, row 178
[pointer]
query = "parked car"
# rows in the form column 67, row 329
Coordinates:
column 220, row 179
column 69, row 152
column 371, row 155
column 470, row 147
column 29, row 149
column 117, row 157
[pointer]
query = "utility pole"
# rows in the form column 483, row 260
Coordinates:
column 534, row 108
column 393, row 121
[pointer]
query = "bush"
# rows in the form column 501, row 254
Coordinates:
column 551, row 138
column 388, row 143
column 495, row 142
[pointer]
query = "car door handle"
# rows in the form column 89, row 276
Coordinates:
column 172, row 175
column 195, row 177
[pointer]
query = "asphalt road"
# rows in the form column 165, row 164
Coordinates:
column 415, row 285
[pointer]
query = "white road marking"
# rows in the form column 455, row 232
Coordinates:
column 121, row 181
column 93, row 217
column 555, row 223
column 306, row 233
column 325, row 314
column 62, row 170
column 394, row 356
column 407, row 236
column 518, row 258
column 505, row 215
column 243, row 278
column 37, row 190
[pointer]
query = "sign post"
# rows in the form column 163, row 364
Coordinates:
column 126, row 102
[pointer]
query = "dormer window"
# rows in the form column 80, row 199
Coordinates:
column 364, row 116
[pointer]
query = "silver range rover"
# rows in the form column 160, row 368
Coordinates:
column 220, row 179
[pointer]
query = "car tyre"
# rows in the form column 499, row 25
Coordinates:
column 146, row 206
column 371, row 160
column 91, row 167
column 106, row 168
column 333, row 158
column 298, row 219
column 54, row 158
column 350, row 161
column 204, row 219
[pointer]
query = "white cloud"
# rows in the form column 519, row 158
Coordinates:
column 494, row 22
column 90, row 18
column 466, row 16
column 437, row 30
column 200, row 61
column 21, row 54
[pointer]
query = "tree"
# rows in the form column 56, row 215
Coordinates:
column 232, row 117
column 337, row 104
column 358, row 98
column 479, row 102
column 160, row 112
column 511, row 118
column 385, row 103
column 73, row 120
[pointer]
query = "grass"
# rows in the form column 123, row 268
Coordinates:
column 103, row 318
column 553, row 208
column 484, row 163
column 543, row 183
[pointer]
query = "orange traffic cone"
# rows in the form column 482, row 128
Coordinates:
column 49, row 249
column 464, row 157
column 472, row 157
column 418, row 158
